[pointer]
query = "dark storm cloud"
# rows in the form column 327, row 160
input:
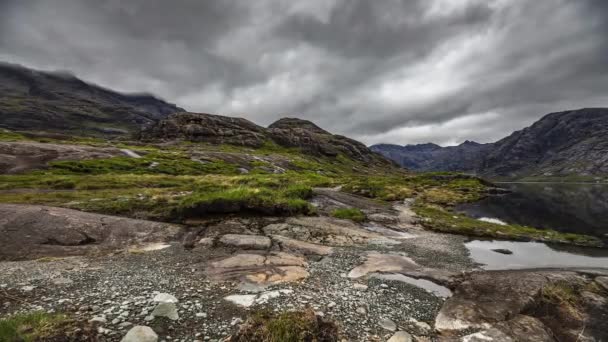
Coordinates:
column 401, row 71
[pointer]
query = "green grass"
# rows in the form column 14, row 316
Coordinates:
column 30, row 327
column 438, row 218
column 6, row 135
column 352, row 214
column 264, row 326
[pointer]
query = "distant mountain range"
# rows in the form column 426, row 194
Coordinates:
column 560, row 144
column 59, row 102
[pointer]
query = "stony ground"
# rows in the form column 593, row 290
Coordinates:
column 205, row 286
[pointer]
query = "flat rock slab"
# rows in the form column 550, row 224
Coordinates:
column 245, row 241
column 326, row 231
column 33, row 231
column 400, row 264
column 297, row 246
column 272, row 268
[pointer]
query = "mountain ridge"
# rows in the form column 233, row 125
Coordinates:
column 61, row 102
column 559, row 144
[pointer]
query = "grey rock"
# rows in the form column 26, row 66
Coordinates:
column 401, row 336
column 140, row 333
column 168, row 310
column 387, row 324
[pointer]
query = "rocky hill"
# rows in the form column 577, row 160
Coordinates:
column 286, row 132
column 59, row 102
column 560, row 144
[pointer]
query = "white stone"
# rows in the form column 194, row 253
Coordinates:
column 140, row 333
column 242, row 300
column 165, row 298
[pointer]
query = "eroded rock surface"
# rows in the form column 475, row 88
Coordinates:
column 33, row 231
column 272, row 268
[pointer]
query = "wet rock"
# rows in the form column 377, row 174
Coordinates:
column 401, row 336
column 503, row 251
column 245, row 241
column 140, row 333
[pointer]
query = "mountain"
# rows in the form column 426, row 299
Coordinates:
column 59, row 102
column 286, row 132
column 560, row 144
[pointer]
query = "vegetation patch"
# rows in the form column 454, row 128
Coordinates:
column 37, row 326
column 443, row 219
column 352, row 214
column 299, row 326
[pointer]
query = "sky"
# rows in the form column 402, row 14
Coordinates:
column 391, row 71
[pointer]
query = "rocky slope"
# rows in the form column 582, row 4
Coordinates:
column 56, row 102
column 286, row 132
column 559, row 144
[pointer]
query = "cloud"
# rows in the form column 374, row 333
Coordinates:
column 400, row 71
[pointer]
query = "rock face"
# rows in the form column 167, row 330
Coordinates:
column 58, row 102
column 208, row 128
column 287, row 132
column 521, row 306
column 565, row 143
column 32, row 231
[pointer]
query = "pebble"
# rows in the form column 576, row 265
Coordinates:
column 401, row 336
column 387, row 324
column 140, row 333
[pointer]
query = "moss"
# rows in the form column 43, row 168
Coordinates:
column 442, row 219
column 299, row 326
column 352, row 214
column 30, row 327
column 6, row 135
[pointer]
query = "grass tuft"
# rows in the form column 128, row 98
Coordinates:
column 352, row 214
column 30, row 327
column 265, row 326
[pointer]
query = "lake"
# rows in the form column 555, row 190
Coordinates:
column 576, row 208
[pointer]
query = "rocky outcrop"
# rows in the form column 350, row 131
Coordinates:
column 33, row 231
column 526, row 305
column 207, row 128
column 565, row 143
column 287, row 132
column 58, row 102
column 24, row 156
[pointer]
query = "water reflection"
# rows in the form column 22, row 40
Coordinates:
column 534, row 255
column 577, row 208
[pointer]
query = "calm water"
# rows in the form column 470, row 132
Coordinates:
column 535, row 255
column 577, row 208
